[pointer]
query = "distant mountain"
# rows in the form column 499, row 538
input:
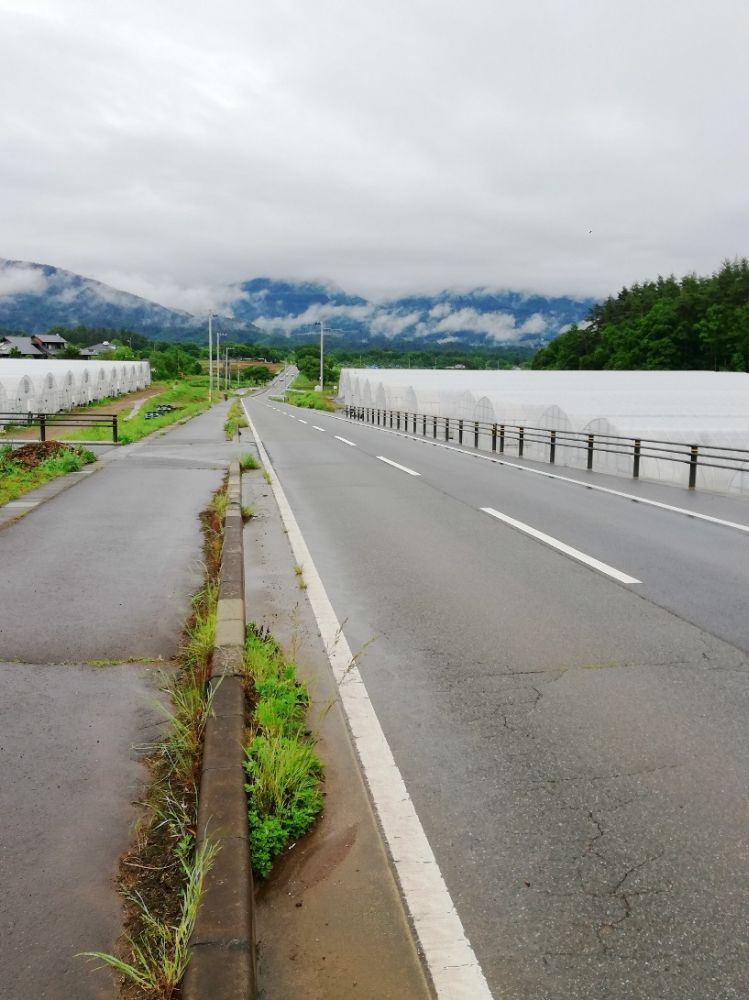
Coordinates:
column 35, row 297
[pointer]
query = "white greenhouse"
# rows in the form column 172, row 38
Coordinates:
column 49, row 386
column 598, row 417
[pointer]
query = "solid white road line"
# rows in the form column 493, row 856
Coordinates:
column 316, row 428
column 395, row 465
column 302, row 421
column 454, row 968
column 602, row 567
column 345, row 440
column 551, row 475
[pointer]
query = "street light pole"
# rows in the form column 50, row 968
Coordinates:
column 322, row 368
column 210, row 359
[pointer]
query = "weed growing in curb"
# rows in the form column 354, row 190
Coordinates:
column 248, row 461
column 247, row 512
column 266, row 476
column 161, row 876
column 283, row 771
column 235, row 419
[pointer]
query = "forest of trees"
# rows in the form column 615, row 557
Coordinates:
column 697, row 323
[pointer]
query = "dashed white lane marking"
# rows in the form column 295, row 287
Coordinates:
column 316, row 428
column 568, row 550
column 454, row 968
column 302, row 421
column 551, row 475
column 397, row 465
column 345, row 440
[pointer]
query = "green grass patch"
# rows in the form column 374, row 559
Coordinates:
column 283, row 771
column 188, row 397
column 30, row 466
column 248, row 461
column 311, row 401
column 234, row 420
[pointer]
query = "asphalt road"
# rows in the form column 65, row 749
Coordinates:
column 575, row 746
column 102, row 572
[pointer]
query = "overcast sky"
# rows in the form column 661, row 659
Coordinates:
column 559, row 146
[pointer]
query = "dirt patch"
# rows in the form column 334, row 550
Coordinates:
column 31, row 455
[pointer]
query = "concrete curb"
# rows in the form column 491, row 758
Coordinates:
column 222, row 946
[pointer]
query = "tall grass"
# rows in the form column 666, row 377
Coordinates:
column 15, row 480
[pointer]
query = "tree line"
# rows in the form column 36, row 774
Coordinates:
column 695, row 323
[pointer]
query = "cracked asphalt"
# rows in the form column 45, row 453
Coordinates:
column 575, row 748
column 101, row 572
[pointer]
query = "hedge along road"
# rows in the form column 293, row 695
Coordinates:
column 104, row 571
column 575, row 751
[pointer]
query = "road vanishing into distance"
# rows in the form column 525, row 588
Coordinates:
column 571, row 723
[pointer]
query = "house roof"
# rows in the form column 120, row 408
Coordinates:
column 50, row 338
column 22, row 344
column 89, row 352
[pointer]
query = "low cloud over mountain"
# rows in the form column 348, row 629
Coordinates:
column 34, row 297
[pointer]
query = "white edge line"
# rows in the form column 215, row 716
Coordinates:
column 300, row 420
column 397, row 465
column 345, row 440
column 568, row 550
column 453, row 965
column 551, row 475
column 316, row 428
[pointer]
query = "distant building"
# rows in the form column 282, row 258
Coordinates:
column 98, row 349
column 20, row 346
column 51, row 344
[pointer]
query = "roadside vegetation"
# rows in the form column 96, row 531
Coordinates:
column 161, row 877
column 234, row 420
column 25, row 468
column 284, row 773
column 188, row 397
column 311, row 401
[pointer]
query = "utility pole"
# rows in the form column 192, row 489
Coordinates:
column 210, row 359
column 322, row 369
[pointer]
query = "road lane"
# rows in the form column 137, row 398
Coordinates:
column 697, row 569
column 575, row 753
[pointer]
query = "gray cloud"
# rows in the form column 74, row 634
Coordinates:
column 560, row 148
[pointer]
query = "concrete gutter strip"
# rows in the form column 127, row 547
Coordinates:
column 222, row 962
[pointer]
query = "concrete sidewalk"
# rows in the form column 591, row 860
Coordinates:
column 330, row 922
column 102, row 572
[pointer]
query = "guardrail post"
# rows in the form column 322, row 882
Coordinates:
column 476, row 435
column 460, row 431
column 552, row 446
column 434, row 427
column 501, row 439
column 636, row 462
column 424, row 426
column 590, row 451
column 114, row 428
column 447, row 428
column 494, row 437
column 398, row 420
column 42, row 428
column 693, row 456
column 391, row 417
column 521, row 441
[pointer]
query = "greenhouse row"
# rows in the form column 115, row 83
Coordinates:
column 49, row 386
column 709, row 410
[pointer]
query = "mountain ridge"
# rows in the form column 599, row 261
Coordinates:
column 35, row 297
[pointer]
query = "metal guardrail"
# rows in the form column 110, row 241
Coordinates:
column 46, row 420
column 520, row 435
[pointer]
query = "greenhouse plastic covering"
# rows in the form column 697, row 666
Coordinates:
column 702, row 408
column 49, row 386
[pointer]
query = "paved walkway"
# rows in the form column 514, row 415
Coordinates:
column 101, row 572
